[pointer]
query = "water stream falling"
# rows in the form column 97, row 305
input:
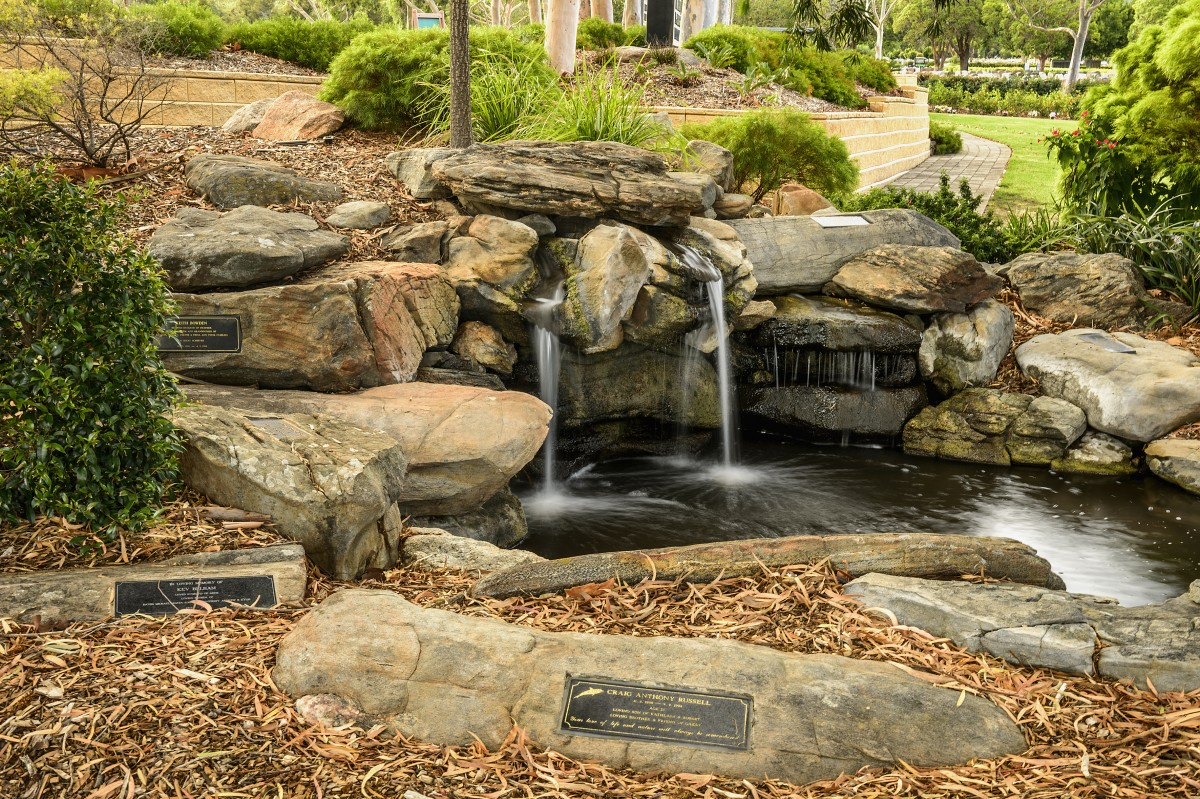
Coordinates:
column 549, row 362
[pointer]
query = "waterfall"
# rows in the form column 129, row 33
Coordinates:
column 548, row 348
column 704, row 270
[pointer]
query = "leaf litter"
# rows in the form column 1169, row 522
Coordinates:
column 184, row 706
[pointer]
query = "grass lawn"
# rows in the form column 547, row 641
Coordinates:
column 1031, row 178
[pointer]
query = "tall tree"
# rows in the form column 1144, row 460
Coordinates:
column 562, row 23
column 879, row 11
column 1059, row 16
column 460, row 75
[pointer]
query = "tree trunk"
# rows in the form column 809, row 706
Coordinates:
column 632, row 13
column 879, row 40
column 460, row 75
column 585, row 9
column 1085, row 20
column 535, row 12
column 602, row 9
column 725, row 12
column 693, row 19
column 497, row 11
column 562, row 21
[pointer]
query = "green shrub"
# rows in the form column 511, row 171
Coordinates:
column 598, row 106
column 309, row 44
column 727, row 44
column 774, row 147
column 594, row 33
column 187, row 29
column 982, row 235
column 873, row 73
column 635, row 36
column 945, row 139
column 82, row 389
column 534, row 33
column 388, row 79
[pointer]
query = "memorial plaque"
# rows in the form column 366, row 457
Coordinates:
column 840, row 221
column 166, row 597
column 615, row 709
column 1107, row 342
column 202, row 334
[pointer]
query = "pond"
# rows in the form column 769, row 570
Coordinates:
column 1136, row 539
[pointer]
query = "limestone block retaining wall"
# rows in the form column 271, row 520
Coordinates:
column 210, row 98
column 890, row 138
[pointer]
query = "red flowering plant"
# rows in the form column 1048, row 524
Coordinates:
column 1098, row 177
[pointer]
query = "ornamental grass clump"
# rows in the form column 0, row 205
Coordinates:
column 83, row 395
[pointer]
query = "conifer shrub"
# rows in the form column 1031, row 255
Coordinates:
column 594, row 33
column 83, row 394
column 186, row 29
column 312, row 44
column 945, row 139
column 778, row 146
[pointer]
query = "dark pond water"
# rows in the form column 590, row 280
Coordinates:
column 1136, row 539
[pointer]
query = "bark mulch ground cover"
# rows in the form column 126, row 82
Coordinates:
column 184, row 706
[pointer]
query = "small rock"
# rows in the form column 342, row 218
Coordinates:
column 1080, row 288
column 485, row 346
column 421, row 243
column 963, row 350
column 432, row 548
column 733, row 206
column 1043, row 432
column 359, row 215
column 296, row 116
column 230, row 181
column 796, row 199
column 1097, row 453
column 542, row 225
column 413, row 168
column 754, row 314
column 710, row 159
column 1176, row 461
column 499, row 521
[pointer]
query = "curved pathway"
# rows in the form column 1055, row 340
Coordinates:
column 982, row 162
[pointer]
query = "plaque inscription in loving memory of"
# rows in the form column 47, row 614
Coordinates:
column 689, row 716
column 167, row 597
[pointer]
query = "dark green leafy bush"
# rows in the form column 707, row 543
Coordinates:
column 982, row 235
column 82, row 391
column 635, row 36
column 730, row 41
column 309, row 44
column 773, row 147
column 594, row 33
column 874, row 73
column 186, row 29
column 387, row 79
column 945, row 139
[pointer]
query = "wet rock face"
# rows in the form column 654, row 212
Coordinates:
column 576, row 179
column 823, row 322
column 963, row 350
column 828, row 412
column 452, row 679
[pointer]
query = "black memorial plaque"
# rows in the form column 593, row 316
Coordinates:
column 202, row 334
column 166, row 597
column 686, row 716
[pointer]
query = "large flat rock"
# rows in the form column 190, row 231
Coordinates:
column 328, row 484
column 1051, row 629
column 346, row 327
column 229, row 181
column 796, row 254
column 832, row 324
column 462, row 443
column 70, row 595
column 906, row 554
column 1128, row 386
column 248, row 246
column 914, row 279
column 577, row 179
column 453, row 679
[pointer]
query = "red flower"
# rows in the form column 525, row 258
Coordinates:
column 1076, row 133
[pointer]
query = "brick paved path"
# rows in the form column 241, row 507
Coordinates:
column 982, row 162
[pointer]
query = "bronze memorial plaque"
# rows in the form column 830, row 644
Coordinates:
column 202, row 334
column 166, row 597
column 616, row 709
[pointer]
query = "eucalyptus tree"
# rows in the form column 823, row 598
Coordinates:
column 1071, row 17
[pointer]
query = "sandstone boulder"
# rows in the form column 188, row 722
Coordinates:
column 1176, row 461
column 229, row 181
column 328, row 484
column 500, row 521
column 462, row 444
column 915, row 279
column 1128, row 386
column 710, row 159
column 483, row 345
column 963, row 350
column 1080, row 288
column 660, row 319
column 1097, row 453
column 797, row 254
column 576, row 179
column 453, row 679
column 602, row 285
column 420, row 243
column 359, row 215
column 796, row 199
column 297, row 116
column 904, row 554
column 248, row 246
column 347, row 327
column 733, row 206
